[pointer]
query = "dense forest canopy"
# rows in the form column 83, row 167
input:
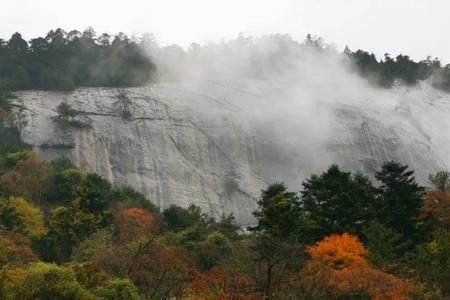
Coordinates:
column 65, row 234
column 66, row 60
column 385, row 71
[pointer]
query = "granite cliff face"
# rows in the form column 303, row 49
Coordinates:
column 161, row 149
column 217, row 143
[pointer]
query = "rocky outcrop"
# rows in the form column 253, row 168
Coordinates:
column 162, row 151
column 216, row 144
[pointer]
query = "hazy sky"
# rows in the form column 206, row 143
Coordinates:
column 415, row 27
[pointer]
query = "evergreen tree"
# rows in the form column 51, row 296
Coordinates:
column 338, row 201
column 179, row 218
column 400, row 198
column 276, row 247
column 440, row 181
column 385, row 245
column 93, row 194
column 280, row 213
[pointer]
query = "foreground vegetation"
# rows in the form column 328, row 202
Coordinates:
column 69, row 235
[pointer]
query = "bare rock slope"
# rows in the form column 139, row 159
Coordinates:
column 185, row 143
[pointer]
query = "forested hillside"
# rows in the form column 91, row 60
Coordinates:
column 63, row 60
column 69, row 235
column 66, row 60
column 385, row 71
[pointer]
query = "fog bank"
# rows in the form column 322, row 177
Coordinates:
column 309, row 107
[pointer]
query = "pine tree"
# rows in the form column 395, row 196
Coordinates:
column 400, row 198
column 338, row 201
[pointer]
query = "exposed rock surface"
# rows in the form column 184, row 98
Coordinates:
column 185, row 143
column 161, row 149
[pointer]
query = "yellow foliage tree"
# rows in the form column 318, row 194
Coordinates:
column 10, row 279
column 30, row 217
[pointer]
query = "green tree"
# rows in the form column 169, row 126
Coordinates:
column 400, row 198
column 214, row 250
column 62, row 164
column 9, row 160
column 21, row 79
column 117, row 289
column 65, row 184
column 366, row 63
column 179, row 218
column 227, row 226
column 9, row 218
column 440, row 181
column 432, row 260
column 279, row 213
column 338, row 201
column 62, row 236
column 93, row 194
column 96, row 245
column 385, row 245
column 65, row 112
column 51, row 282
column 68, row 226
column 17, row 45
column 128, row 195
column 88, row 212
column 275, row 249
column 66, row 179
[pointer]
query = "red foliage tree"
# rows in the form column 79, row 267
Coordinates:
column 159, row 271
column 134, row 223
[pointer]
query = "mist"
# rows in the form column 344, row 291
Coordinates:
column 306, row 105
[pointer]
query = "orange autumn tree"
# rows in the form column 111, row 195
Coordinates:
column 340, row 251
column 134, row 223
column 338, row 266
